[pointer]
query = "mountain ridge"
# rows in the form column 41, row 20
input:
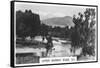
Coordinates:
column 59, row 21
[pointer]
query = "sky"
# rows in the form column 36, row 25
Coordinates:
column 50, row 10
column 46, row 11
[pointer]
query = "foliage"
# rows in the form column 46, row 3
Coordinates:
column 44, row 29
column 27, row 23
column 84, row 32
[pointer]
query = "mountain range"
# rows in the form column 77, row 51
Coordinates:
column 59, row 21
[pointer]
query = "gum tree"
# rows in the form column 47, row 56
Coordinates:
column 84, row 32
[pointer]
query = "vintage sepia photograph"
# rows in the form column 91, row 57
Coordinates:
column 51, row 33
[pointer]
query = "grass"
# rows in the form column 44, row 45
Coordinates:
column 26, row 58
column 31, row 44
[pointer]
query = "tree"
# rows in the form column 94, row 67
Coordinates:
column 27, row 23
column 44, row 29
column 84, row 33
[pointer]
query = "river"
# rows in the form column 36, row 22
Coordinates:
column 61, row 48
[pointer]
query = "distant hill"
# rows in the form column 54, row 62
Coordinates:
column 59, row 21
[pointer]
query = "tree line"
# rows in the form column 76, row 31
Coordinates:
column 29, row 24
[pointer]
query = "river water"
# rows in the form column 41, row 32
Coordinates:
column 61, row 48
